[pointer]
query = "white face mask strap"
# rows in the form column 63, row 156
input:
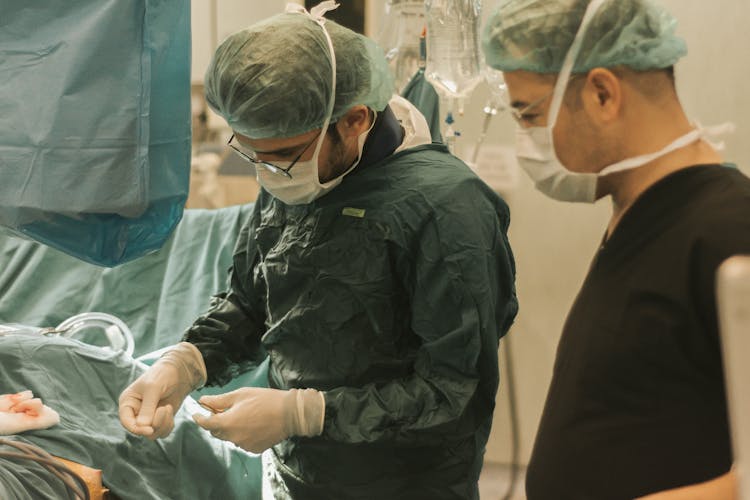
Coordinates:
column 681, row 142
column 716, row 131
column 316, row 14
column 637, row 161
column 319, row 10
column 361, row 140
column 374, row 119
column 332, row 97
column 569, row 62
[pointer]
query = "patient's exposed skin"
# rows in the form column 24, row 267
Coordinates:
column 21, row 412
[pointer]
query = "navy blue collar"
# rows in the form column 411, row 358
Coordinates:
column 385, row 136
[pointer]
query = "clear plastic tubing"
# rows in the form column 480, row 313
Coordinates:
column 117, row 334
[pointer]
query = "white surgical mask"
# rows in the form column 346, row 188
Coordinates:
column 305, row 186
column 535, row 148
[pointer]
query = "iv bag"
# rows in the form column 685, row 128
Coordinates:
column 453, row 55
column 399, row 38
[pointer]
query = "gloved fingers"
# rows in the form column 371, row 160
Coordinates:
column 212, row 424
column 129, row 406
column 219, row 402
column 223, row 402
column 151, row 394
column 255, row 420
column 163, row 422
column 218, row 425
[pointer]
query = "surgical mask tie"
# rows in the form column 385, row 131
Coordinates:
column 305, row 185
column 535, row 147
column 316, row 13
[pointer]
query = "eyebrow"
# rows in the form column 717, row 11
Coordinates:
column 519, row 104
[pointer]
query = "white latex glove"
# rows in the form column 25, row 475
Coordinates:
column 148, row 405
column 256, row 419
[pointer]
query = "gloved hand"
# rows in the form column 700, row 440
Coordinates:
column 256, row 419
column 148, row 405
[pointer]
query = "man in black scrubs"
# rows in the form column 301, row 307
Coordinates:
column 636, row 405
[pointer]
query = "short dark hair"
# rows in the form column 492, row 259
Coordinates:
column 643, row 81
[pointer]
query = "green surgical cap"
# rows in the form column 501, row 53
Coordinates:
column 535, row 35
column 273, row 79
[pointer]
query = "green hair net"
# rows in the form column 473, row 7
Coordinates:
column 535, row 35
column 273, row 79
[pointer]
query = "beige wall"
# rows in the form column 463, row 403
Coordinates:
column 214, row 20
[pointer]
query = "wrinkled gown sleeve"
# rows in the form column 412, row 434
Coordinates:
column 228, row 334
column 459, row 273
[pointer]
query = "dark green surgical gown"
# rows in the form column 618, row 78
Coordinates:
column 389, row 294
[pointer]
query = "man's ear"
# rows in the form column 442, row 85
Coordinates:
column 355, row 121
column 602, row 95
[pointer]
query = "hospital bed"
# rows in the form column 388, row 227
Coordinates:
column 157, row 296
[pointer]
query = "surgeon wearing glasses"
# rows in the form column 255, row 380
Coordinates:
column 284, row 152
column 375, row 273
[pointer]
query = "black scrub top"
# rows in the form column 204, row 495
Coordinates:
column 636, row 403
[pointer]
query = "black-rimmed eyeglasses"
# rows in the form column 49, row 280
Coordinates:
column 525, row 115
column 250, row 156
